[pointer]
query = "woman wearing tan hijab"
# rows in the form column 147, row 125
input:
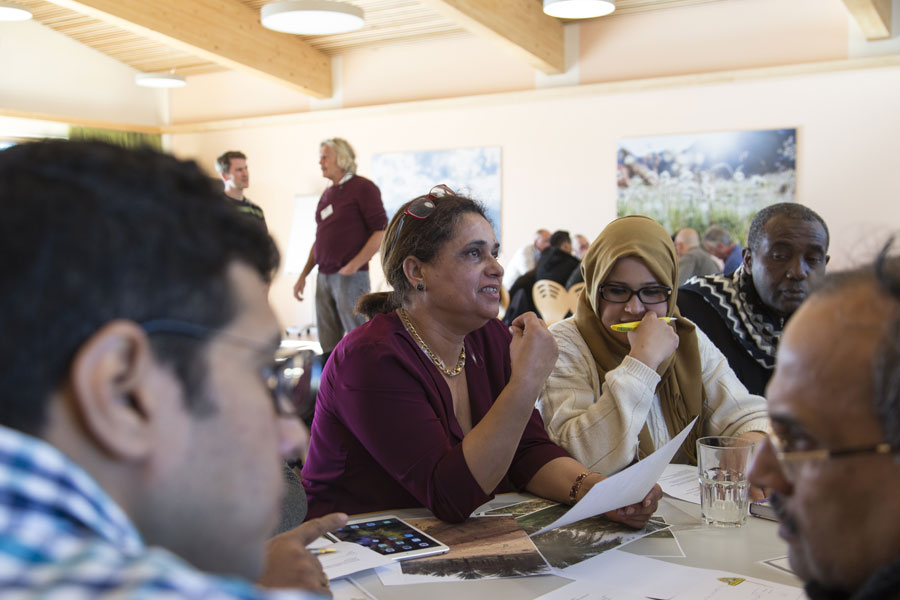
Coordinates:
column 613, row 396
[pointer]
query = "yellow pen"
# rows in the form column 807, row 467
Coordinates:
column 318, row 551
column 632, row 325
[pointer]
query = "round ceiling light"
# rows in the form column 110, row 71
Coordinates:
column 579, row 9
column 311, row 17
column 160, row 80
column 10, row 11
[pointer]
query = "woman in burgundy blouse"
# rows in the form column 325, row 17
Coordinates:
column 431, row 403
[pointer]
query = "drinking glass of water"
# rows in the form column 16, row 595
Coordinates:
column 723, row 463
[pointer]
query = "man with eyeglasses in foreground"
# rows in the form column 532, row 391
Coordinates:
column 143, row 418
column 832, row 460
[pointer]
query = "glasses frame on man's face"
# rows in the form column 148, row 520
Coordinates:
column 639, row 293
column 421, row 207
column 791, row 461
column 280, row 378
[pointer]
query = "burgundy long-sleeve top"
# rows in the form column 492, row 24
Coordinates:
column 385, row 435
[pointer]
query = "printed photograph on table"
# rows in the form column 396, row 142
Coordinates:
column 660, row 544
column 472, row 172
column 697, row 180
column 571, row 544
column 480, row 548
column 522, row 508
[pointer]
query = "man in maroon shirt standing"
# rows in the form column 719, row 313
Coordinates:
column 350, row 224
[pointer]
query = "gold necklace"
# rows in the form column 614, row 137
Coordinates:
column 434, row 357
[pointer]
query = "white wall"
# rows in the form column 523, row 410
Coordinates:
column 559, row 150
column 46, row 72
column 558, row 145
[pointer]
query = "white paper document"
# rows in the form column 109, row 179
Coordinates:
column 582, row 590
column 625, row 487
column 650, row 578
column 680, row 481
column 635, row 574
column 347, row 589
column 350, row 558
column 393, row 575
column 740, row 588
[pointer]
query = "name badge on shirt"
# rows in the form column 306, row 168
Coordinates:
column 326, row 212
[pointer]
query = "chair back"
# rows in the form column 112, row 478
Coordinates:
column 551, row 300
column 574, row 292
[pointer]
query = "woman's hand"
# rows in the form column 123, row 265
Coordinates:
column 637, row 515
column 533, row 350
column 634, row 515
column 653, row 341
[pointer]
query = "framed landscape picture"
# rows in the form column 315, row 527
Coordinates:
column 473, row 172
column 696, row 180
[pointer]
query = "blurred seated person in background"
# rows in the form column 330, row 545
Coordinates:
column 557, row 262
column 744, row 314
column 526, row 258
column 521, row 299
column 832, row 461
column 431, row 403
column 693, row 260
column 612, row 396
column 142, row 428
column 719, row 243
column 581, row 246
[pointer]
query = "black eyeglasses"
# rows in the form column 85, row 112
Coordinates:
column 790, row 460
column 281, row 378
column 620, row 294
column 421, row 208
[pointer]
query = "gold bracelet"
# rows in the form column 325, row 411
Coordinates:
column 573, row 493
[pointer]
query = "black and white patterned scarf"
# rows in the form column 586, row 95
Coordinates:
column 735, row 298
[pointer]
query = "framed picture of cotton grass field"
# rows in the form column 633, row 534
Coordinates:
column 696, row 180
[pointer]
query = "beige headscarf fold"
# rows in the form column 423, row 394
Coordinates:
column 681, row 393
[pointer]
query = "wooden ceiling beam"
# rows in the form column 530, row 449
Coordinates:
column 225, row 32
column 520, row 26
column 872, row 16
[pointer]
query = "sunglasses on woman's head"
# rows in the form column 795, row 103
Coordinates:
column 421, row 208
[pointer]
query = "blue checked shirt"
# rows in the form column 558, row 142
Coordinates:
column 62, row 537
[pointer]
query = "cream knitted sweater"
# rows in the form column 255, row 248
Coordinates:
column 599, row 423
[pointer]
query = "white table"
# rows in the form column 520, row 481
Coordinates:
column 734, row 550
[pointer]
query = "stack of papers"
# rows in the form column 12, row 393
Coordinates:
column 626, row 574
